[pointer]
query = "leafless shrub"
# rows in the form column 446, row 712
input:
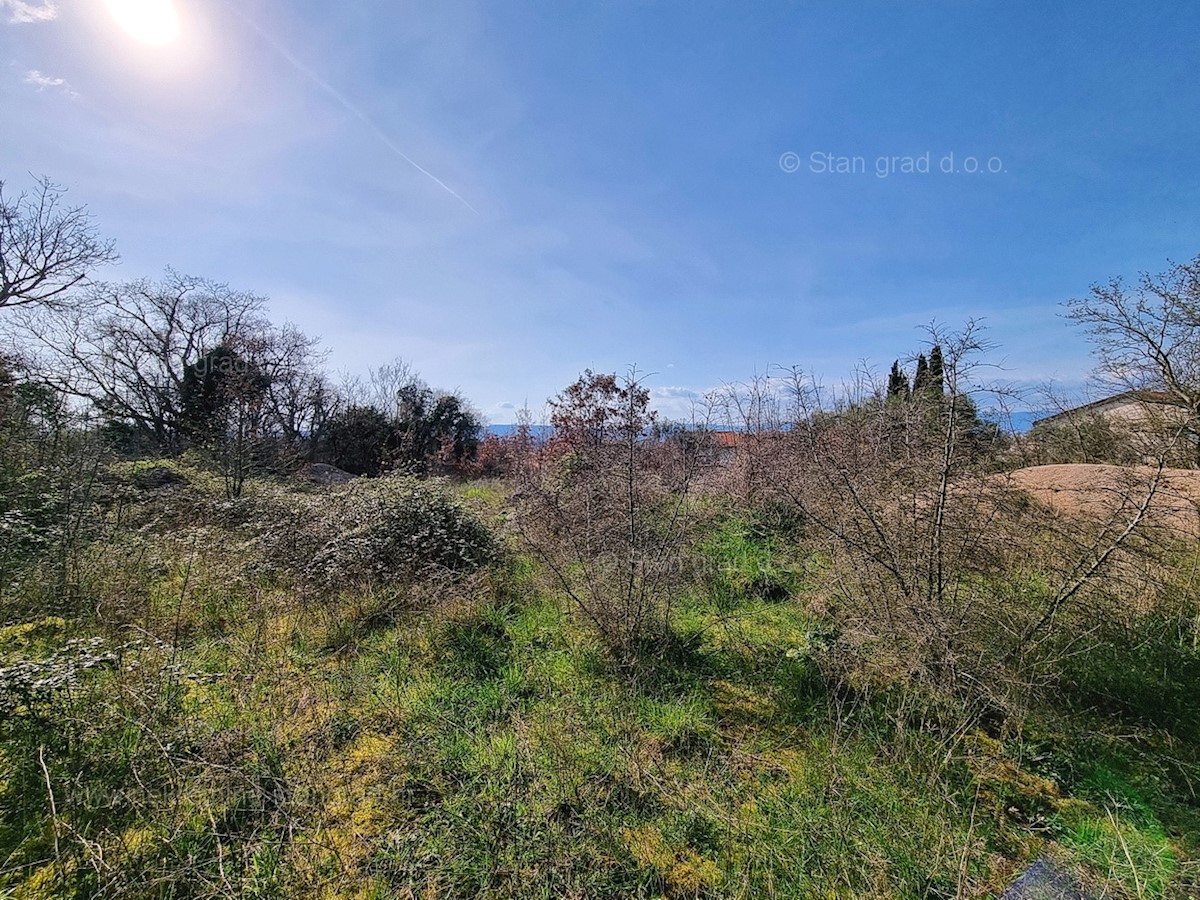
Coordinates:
column 752, row 417
column 942, row 571
column 608, row 508
column 51, row 463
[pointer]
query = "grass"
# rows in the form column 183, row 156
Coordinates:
column 1120, row 835
column 472, row 739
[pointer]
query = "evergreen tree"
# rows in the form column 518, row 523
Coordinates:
column 361, row 440
column 898, row 385
column 978, row 435
column 213, row 387
column 921, row 378
column 434, row 427
column 937, row 375
column 222, row 397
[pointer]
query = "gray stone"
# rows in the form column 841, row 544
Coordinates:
column 323, row 473
column 157, row 477
column 1045, row 880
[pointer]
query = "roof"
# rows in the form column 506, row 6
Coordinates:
column 726, row 439
column 1157, row 398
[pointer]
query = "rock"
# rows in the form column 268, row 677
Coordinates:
column 157, row 477
column 1045, row 880
column 323, row 473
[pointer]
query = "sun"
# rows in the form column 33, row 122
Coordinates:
column 150, row 21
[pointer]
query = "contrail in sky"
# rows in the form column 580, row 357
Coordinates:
column 345, row 102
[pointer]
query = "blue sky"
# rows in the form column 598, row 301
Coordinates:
column 611, row 181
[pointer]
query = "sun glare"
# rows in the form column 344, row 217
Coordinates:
column 150, row 21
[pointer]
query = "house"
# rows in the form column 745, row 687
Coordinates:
column 1136, row 426
column 1132, row 409
column 720, row 447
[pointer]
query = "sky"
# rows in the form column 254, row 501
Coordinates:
column 507, row 193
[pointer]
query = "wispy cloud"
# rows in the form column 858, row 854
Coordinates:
column 674, row 393
column 22, row 12
column 345, row 102
column 43, row 82
column 676, row 403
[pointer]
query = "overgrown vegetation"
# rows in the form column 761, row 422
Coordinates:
column 831, row 652
column 219, row 730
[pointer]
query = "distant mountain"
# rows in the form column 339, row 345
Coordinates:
column 540, row 432
column 1016, row 422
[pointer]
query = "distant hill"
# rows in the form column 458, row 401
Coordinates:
column 1013, row 422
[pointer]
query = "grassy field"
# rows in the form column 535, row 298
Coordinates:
column 196, row 721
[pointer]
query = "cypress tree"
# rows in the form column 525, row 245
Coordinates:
column 921, row 379
column 898, row 385
column 937, row 375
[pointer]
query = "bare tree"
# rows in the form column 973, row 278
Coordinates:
column 524, row 444
column 381, row 387
column 1148, row 337
column 298, row 399
column 127, row 346
column 46, row 248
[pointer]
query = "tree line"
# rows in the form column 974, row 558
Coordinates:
column 184, row 363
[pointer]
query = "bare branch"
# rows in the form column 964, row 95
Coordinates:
column 46, row 248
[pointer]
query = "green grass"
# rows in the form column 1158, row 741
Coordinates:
column 1120, row 835
column 745, row 561
column 481, row 743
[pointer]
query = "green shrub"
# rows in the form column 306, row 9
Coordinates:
column 388, row 529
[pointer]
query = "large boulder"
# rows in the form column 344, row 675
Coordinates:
column 323, row 473
column 157, row 478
